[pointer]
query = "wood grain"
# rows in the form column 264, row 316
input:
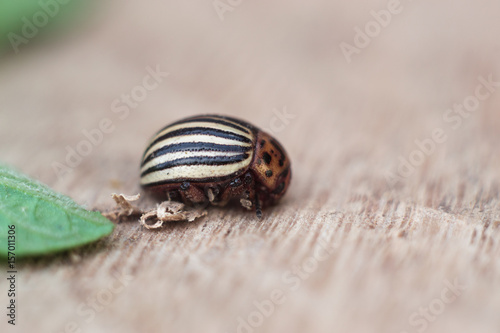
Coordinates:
column 394, row 243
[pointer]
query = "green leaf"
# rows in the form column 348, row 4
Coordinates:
column 23, row 20
column 45, row 221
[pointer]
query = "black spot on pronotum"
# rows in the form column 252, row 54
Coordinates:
column 269, row 173
column 267, row 158
column 262, row 143
column 281, row 162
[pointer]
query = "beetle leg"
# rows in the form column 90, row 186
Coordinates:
column 211, row 195
column 233, row 190
column 224, row 198
column 191, row 194
column 251, row 199
column 258, row 207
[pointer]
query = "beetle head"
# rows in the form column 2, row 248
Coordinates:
column 271, row 167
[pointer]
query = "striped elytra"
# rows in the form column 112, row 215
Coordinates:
column 216, row 159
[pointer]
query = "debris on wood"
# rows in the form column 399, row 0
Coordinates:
column 123, row 207
column 246, row 203
column 167, row 211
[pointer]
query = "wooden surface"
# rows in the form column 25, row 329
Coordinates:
column 395, row 243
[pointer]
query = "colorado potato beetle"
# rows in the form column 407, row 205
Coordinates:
column 216, row 159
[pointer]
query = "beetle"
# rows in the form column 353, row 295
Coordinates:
column 216, row 159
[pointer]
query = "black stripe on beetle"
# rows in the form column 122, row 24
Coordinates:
column 200, row 131
column 197, row 160
column 196, row 146
column 211, row 120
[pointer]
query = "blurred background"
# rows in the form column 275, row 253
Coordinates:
column 379, row 103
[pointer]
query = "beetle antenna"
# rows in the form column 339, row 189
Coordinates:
column 258, row 210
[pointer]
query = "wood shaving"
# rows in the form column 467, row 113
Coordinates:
column 123, row 206
column 246, row 203
column 167, row 211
